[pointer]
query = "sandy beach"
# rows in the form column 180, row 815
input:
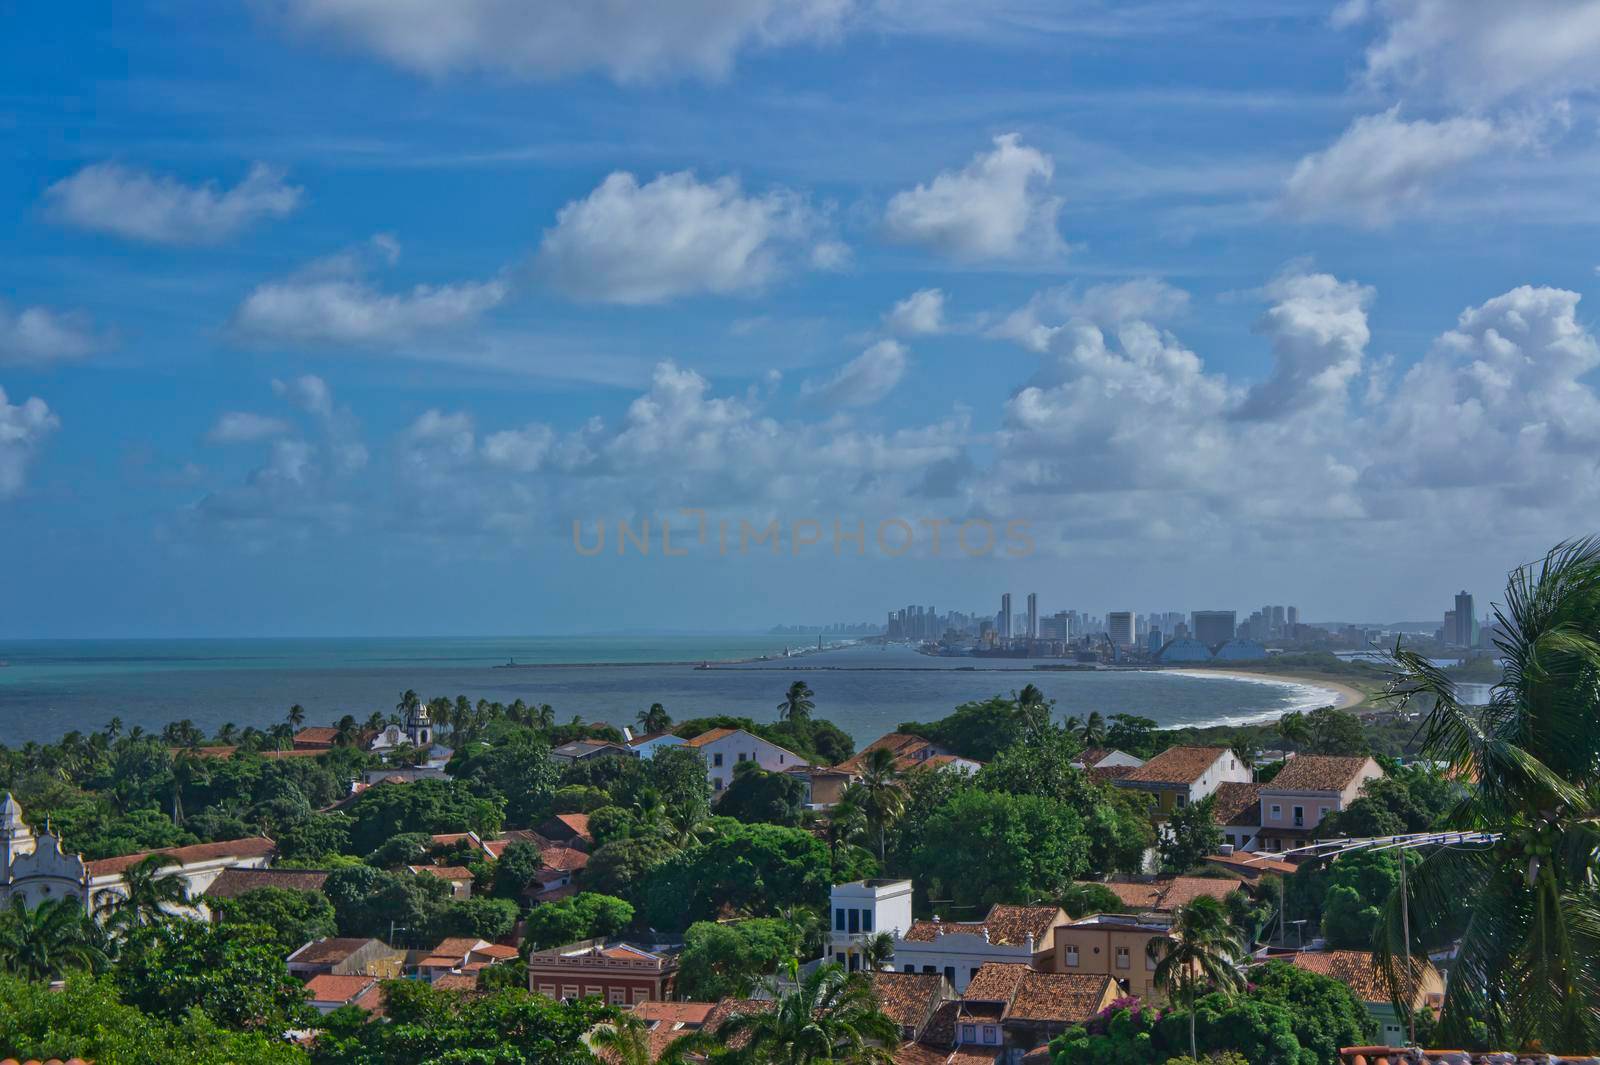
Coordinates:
column 1342, row 695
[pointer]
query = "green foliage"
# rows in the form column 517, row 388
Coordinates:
column 1324, row 1013
column 1406, row 800
column 609, row 823
column 293, row 917
column 578, row 798
column 985, row 847
column 586, row 915
column 1191, row 835
column 748, row 869
column 478, row 917
column 1133, row 734
column 621, row 868
column 1327, row 730
column 87, row 1019
column 755, row 795
column 829, row 1016
column 1348, row 920
column 432, row 806
column 977, row 730
column 396, row 852
column 368, row 902
column 730, row 960
column 424, row 1026
column 678, row 777
column 50, row 940
column 1343, row 896
column 517, row 770
column 515, row 869
column 1081, row 900
column 314, row 838
column 233, row 972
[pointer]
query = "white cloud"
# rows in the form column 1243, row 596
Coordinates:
column 630, row 40
column 522, row 450
column 864, row 380
column 308, row 393
column 243, row 427
column 1318, row 326
column 136, row 205
column 332, row 302
column 920, row 313
column 1107, row 306
column 1482, row 52
column 675, row 236
column 997, row 207
column 1383, row 165
column 37, row 336
column 23, row 428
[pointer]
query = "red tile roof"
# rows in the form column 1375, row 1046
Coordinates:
column 1007, row 925
column 1176, row 765
column 995, row 982
column 329, row 951
column 907, row 998
column 316, row 734
column 252, row 847
column 235, row 882
column 1317, row 772
column 1398, row 1056
column 684, row 1013
column 710, row 736
column 564, row 859
column 1356, row 969
column 1250, row 866
column 443, row 872
column 456, row 982
column 1237, row 804
column 578, row 824
column 457, row 947
column 902, row 744
column 341, row 989
column 1058, row 998
column 498, row 951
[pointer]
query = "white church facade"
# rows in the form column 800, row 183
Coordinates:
column 34, row 868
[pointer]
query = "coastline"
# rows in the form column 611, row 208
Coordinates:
column 1343, row 696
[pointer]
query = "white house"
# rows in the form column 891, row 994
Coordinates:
column 725, row 748
column 1106, row 758
column 1179, row 776
column 860, row 910
column 1023, row 935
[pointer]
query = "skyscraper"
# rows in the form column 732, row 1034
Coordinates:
column 1214, row 627
column 1466, row 622
column 1005, row 616
column 1278, row 619
column 1033, row 615
column 1294, row 617
column 1119, row 627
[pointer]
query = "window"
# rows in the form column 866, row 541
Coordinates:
column 1229, row 838
column 617, row 997
column 641, row 994
column 1149, row 962
column 929, row 969
column 971, row 973
column 950, row 973
column 1181, row 801
column 1299, row 816
column 547, row 990
column 855, row 921
column 741, row 756
column 592, row 989
column 1322, row 811
column 780, row 759
column 716, row 759
column 989, row 1034
column 1122, row 957
column 969, row 1033
column 866, row 920
column 838, row 919
column 716, row 783
column 569, row 990
column 911, row 968
column 1277, row 812
column 1072, row 955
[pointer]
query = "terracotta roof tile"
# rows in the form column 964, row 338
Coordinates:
column 684, row 1013
column 330, row 951
column 1317, row 772
column 1355, row 969
column 251, row 847
column 941, row 1028
column 577, row 823
column 907, row 998
column 1065, row 998
column 1111, row 772
column 443, row 872
column 727, row 1008
column 317, row 734
column 341, row 989
column 564, row 859
column 709, row 736
column 901, row 744
column 995, row 982
column 495, row 950
column 457, row 947
column 1237, row 804
column 1007, row 925
column 1166, row 893
column 456, row 982
column 1177, row 765
column 235, row 882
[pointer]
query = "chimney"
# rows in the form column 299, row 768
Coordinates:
column 627, row 734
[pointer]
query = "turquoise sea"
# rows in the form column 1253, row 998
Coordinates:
column 49, row 687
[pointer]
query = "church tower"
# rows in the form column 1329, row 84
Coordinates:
column 419, row 727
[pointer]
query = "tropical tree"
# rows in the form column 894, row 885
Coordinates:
column 1090, row 731
column 148, row 895
column 847, row 822
column 626, row 1041
column 296, row 716
column 656, row 719
column 1528, row 964
column 410, row 702
column 877, row 951
column 879, row 793
column 831, row 1016
column 1200, row 950
column 48, row 941
column 797, row 705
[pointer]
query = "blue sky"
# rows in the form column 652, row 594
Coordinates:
column 331, row 316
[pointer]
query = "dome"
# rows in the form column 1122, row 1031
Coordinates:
column 1241, row 651
column 1184, row 650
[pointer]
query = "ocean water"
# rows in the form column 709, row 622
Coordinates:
column 50, row 687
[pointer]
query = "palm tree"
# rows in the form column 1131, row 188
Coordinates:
column 831, row 1016
column 877, row 951
column 228, row 734
column 656, row 719
column 1093, row 730
column 797, row 705
column 145, row 896
column 879, row 792
column 282, row 735
column 847, row 822
column 626, row 1041
column 410, row 702
column 48, row 941
column 1528, row 962
column 113, row 729
column 296, row 716
column 1200, row 949
column 545, row 717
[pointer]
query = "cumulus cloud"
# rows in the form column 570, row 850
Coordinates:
column 136, row 205
column 629, row 40
column 1035, row 323
column 308, row 393
column 1384, row 165
column 333, row 302
column 998, row 206
column 34, row 336
column 23, row 429
column 243, row 427
column 676, row 236
column 1482, row 52
column 864, row 380
column 920, row 313
column 1318, row 327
